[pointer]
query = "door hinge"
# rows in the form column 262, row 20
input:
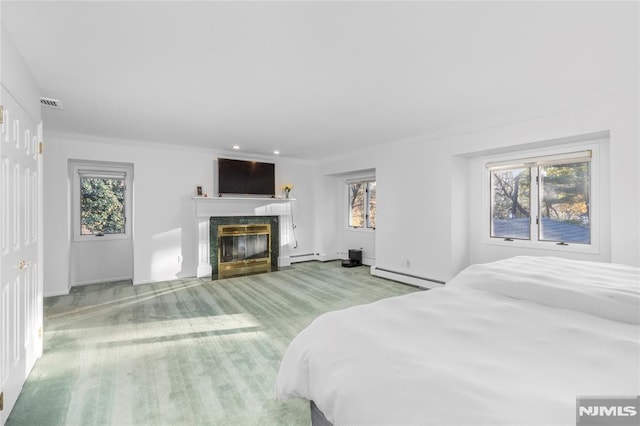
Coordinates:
column 40, row 333
column 40, row 147
column 1, row 114
column 1, row 401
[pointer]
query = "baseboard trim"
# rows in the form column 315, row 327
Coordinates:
column 56, row 293
column 106, row 280
column 405, row 278
column 325, row 257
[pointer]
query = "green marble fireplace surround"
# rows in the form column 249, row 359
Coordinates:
column 214, row 221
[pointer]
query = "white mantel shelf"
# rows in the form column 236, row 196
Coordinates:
column 206, row 207
column 241, row 206
column 282, row 200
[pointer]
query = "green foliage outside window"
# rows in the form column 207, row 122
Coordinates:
column 565, row 195
column 562, row 212
column 102, row 206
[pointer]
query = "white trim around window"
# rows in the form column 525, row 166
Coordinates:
column 369, row 203
column 79, row 169
column 587, row 151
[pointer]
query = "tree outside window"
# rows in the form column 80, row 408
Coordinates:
column 564, row 203
column 511, row 210
column 362, row 205
column 102, row 205
column 558, row 209
column 372, row 205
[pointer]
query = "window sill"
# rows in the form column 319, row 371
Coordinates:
column 544, row 246
column 94, row 238
column 367, row 230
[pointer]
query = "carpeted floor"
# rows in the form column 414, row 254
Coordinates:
column 183, row 352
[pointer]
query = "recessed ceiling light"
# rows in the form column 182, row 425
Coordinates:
column 276, row 152
column 236, row 147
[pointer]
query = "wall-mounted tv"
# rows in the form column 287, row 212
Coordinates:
column 246, row 177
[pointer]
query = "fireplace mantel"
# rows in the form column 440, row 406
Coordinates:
column 207, row 207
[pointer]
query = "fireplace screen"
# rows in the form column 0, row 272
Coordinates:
column 243, row 249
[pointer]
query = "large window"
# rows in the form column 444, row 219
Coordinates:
column 362, row 204
column 542, row 199
column 102, row 204
column 102, row 200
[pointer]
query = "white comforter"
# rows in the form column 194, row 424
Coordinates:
column 512, row 342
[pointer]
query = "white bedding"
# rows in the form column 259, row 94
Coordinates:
column 512, row 342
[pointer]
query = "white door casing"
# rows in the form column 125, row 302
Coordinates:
column 21, row 294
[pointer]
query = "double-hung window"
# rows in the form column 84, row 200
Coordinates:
column 545, row 199
column 362, row 204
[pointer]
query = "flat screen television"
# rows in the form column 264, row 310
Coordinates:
column 246, row 177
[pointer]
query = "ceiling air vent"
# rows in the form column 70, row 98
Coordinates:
column 51, row 103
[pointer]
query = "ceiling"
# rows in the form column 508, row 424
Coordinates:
column 312, row 79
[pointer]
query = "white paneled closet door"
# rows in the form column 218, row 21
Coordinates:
column 21, row 295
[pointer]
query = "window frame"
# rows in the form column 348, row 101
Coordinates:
column 81, row 169
column 534, row 242
column 367, row 205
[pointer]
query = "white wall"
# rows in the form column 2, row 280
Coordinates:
column 413, row 234
column 17, row 78
column 328, row 238
column 427, row 211
column 335, row 238
column 164, row 228
column 100, row 261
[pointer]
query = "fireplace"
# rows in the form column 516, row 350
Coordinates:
column 243, row 249
column 243, row 245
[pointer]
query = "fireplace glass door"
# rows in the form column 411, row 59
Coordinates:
column 243, row 249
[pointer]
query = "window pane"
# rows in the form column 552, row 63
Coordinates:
column 102, row 206
column 564, row 203
column 511, row 201
column 372, row 205
column 356, row 204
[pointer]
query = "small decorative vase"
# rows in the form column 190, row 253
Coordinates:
column 286, row 193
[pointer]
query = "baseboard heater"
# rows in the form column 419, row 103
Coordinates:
column 293, row 256
column 415, row 280
column 306, row 257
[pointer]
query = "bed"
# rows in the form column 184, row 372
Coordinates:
column 512, row 342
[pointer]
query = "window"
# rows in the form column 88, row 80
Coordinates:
column 362, row 204
column 102, row 204
column 511, row 203
column 546, row 199
column 102, row 200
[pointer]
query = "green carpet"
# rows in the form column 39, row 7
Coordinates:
column 186, row 352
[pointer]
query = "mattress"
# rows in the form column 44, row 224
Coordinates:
column 505, row 343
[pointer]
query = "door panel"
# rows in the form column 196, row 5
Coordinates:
column 20, row 254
